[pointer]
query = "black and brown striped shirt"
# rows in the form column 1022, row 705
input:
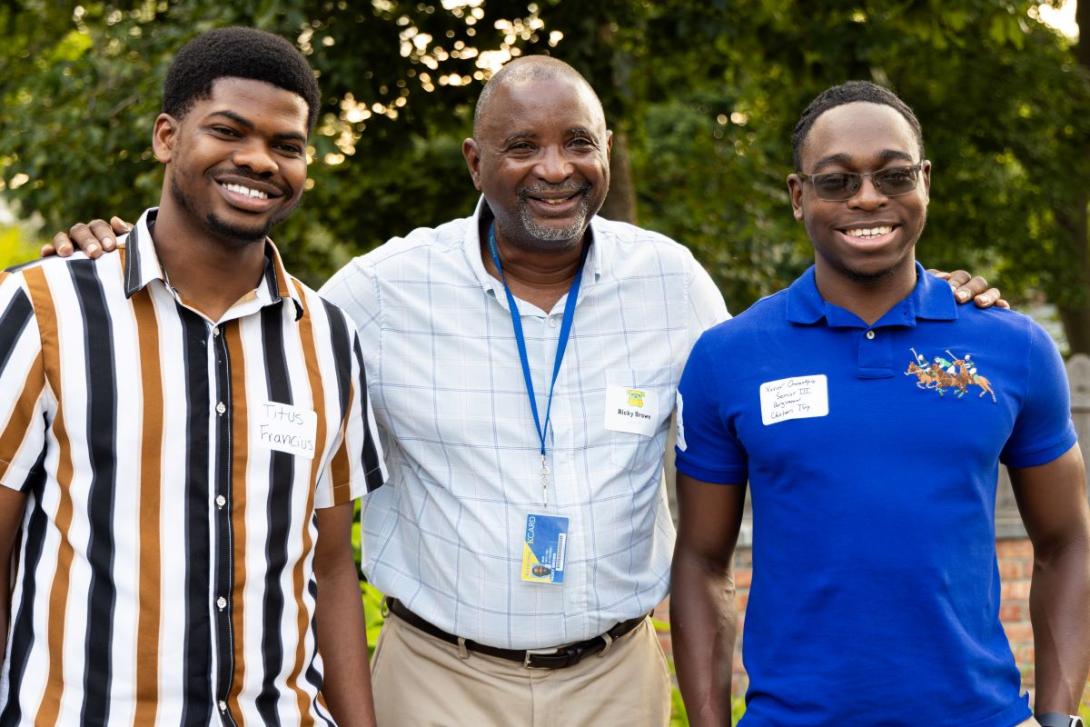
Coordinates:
column 172, row 467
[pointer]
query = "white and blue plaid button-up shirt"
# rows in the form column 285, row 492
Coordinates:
column 445, row 536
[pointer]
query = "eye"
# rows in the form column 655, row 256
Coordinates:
column 520, row 146
column 225, row 131
column 833, row 182
column 290, row 149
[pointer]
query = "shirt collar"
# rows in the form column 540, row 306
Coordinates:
column 471, row 244
column 930, row 299
column 142, row 266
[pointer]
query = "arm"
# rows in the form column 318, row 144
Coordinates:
column 342, row 639
column 1053, row 504
column 702, row 616
column 12, row 503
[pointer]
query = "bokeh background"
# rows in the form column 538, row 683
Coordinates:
column 701, row 94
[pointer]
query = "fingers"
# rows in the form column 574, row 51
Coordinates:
column 61, row 245
column 989, row 298
column 47, row 250
column 119, row 225
column 940, row 273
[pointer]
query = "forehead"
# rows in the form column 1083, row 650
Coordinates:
column 859, row 131
column 537, row 105
column 250, row 98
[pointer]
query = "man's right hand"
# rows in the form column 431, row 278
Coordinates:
column 93, row 238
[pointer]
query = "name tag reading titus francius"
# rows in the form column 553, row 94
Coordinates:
column 287, row 428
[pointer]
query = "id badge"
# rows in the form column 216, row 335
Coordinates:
column 544, row 546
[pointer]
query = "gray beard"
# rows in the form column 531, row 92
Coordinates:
column 555, row 234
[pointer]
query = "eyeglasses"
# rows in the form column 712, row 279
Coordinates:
column 842, row 186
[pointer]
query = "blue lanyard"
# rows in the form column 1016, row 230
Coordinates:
column 520, row 340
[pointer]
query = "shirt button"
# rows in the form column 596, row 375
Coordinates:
column 220, row 501
column 216, row 332
column 223, row 706
column 221, row 408
column 553, row 322
column 221, row 603
column 870, row 335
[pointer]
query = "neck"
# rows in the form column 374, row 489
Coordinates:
column 869, row 299
column 541, row 277
column 210, row 274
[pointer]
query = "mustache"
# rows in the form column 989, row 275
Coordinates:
column 565, row 189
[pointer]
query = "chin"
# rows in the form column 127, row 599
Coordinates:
column 234, row 231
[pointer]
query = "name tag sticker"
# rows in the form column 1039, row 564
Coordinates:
column 799, row 397
column 287, row 428
column 544, row 547
column 631, row 409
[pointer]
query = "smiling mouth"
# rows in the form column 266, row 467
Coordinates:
column 243, row 190
column 868, row 233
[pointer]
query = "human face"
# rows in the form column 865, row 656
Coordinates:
column 869, row 237
column 236, row 161
column 541, row 160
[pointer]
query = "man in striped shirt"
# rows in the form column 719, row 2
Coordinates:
column 183, row 430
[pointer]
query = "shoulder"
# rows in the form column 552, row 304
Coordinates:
column 411, row 257
column 1004, row 327
column 762, row 319
column 639, row 245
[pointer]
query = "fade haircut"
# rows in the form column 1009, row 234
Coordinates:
column 528, row 68
column 845, row 93
column 237, row 53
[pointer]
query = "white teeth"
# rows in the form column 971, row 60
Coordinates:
column 868, row 232
column 239, row 189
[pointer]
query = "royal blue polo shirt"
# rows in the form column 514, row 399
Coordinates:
column 872, row 455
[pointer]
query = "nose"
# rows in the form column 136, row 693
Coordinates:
column 256, row 157
column 868, row 196
column 553, row 166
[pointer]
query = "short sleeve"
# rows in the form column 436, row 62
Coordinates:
column 358, row 465
column 1043, row 429
column 22, row 386
column 706, row 447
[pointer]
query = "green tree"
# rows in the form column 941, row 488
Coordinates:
column 702, row 97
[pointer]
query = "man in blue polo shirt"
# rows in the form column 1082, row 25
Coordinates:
column 869, row 413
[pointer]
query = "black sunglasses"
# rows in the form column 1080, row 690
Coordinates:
column 842, row 186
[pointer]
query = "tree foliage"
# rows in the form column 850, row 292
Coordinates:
column 702, row 95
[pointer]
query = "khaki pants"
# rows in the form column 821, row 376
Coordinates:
column 420, row 681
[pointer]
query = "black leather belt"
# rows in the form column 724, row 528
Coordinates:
column 557, row 657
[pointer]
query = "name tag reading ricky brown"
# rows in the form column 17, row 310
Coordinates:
column 287, row 428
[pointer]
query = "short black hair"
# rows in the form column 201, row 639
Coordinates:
column 237, row 53
column 845, row 93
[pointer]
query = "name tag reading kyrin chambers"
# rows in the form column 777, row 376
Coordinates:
column 287, row 428
column 799, row 397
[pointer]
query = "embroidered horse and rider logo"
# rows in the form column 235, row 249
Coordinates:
column 954, row 374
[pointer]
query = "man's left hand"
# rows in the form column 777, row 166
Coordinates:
column 968, row 287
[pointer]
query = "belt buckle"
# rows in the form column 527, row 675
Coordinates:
column 531, row 653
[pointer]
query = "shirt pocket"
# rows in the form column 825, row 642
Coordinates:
column 636, row 412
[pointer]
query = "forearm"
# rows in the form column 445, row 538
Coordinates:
column 342, row 642
column 703, row 624
column 1060, row 611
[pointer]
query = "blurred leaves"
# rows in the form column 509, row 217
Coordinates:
column 706, row 93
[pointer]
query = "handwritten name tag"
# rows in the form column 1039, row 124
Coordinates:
column 631, row 409
column 287, row 428
column 799, row 397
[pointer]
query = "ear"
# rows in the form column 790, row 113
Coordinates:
column 926, row 171
column 164, row 136
column 472, row 153
column 794, row 190
column 609, row 143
